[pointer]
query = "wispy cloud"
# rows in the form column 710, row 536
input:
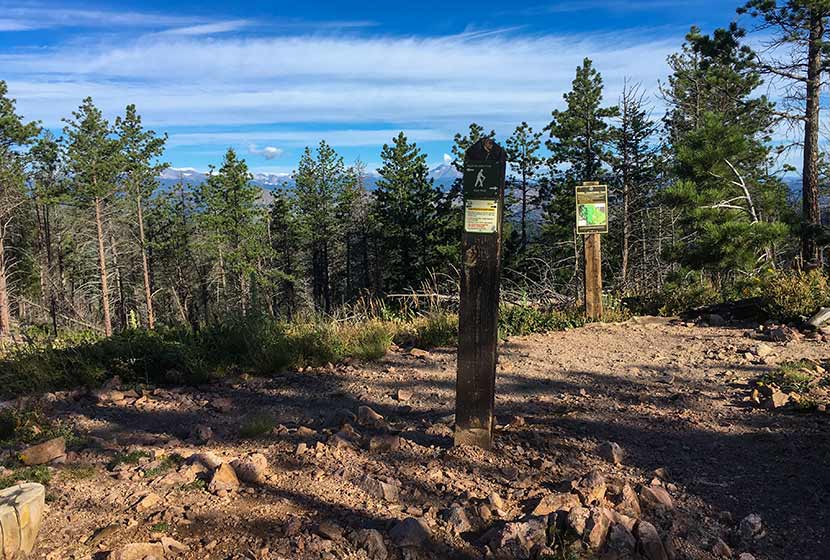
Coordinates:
column 208, row 28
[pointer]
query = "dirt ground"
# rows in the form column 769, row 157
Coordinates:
column 673, row 396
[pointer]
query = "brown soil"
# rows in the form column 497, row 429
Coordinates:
column 672, row 396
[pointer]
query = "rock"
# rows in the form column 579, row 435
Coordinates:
column 620, row 540
column 783, row 334
column 172, row 546
column 417, row 352
column 591, row 488
column 330, row 530
column 551, row 503
column 44, row 452
column 207, row 460
column 379, row 489
column 222, row 404
column 628, row 503
column 404, row 395
column 656, row 499
column 751, row 527
column 368, row 417
column 715, row 320
column 517, row 540
column 820, row 318
column 648, row 541
column 746, row 556
column 201, row 434
column 762, row 350
column 139, row 551
column 457, row 520
column 411, row 532
column 251, row 469
column 776, row 399
column 611, row 452
column 107, row 396
column 223, row 479
column 495, row 500
column 21, row 513
column 577, row 519
column 721, row 550
column 596, row 529
column 385, row 442
column 371, row 540
column 147, row 502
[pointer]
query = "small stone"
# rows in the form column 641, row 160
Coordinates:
column 368, row 417
column 777, row 399
column 762, row 350
column 715, row 320
column 207, row 460
column 418, row 353
column 746, row 556
column 751, row 527
column 628, row 504
column 648, row 541
column 577, row 519
column 457, row 520
column 107, row 396
column 139, row 551
column 223, row 479
column 611, row 452
column 44, row 452
column 172, row 546
column 222, row 404
column 656, row 498
column 495, row 500
column 201, row 434
column 147, row 502
column 251, row 469
column 404, row 395
column 410, row 532
column 551, row 503
column 330, row 530
column 620, row 540
column 596, row 529
column 591, row 487
column 371, row 540
column 385, row 442
column 721, row 550
column 380, row 489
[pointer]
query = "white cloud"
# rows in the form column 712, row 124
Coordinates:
column 268, row 152
column 208, row 28
column 447, row 158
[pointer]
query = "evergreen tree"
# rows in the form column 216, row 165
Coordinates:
column 14, row 135
column 580, row 139
column 94, row 163
column 731, row 206
column 525, row 162
column 234, row 227
column 800, row 27
column 141, row 149
column 406, row 206
column 285, row 243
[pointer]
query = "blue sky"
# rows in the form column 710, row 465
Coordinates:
column 269, row 78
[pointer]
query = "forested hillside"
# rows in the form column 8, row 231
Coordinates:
column 93, row 239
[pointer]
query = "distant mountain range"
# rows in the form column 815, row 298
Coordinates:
column 443, row 176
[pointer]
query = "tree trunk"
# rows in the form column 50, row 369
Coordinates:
column 5, row 314
column 148, row 294
column 102, row 268
column 812, row 215
column 119, row 285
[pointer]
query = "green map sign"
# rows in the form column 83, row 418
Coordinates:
column 591, row 208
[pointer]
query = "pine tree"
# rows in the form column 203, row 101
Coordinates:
column 525, row 163
column 285, row 244
column 14, row 135
column 234, row 228
column 800, row 27
column 405, row 210
column 580, row 138
column 731, row 206
column 93, row 158
column 141, row 149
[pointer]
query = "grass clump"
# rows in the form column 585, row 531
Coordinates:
column 40, row 474
column 131, row 458
column 197, row 485
column 519, row 320
column 257, row 425
column 30, row 426
column 167, row 463
column 79, row 471
column 792, row 377
column 160, row 527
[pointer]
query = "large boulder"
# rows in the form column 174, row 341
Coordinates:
column 44, row 452
column 21, row 512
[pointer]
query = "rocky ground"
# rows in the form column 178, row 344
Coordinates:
column 635, row 440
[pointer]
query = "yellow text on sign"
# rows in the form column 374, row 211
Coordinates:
column 481, row 216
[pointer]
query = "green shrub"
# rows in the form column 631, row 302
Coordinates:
column 687, row 291
column 791, row 295
column 257, row 425
column 40, row 474
column 371, row 340
column 518, row 320
column 434, row 330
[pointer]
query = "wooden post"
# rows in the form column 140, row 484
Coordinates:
column 484, row 178
column 592, row 221
column 593, row 276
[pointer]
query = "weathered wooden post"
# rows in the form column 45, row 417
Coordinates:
column 484, row 175
column 592, row 221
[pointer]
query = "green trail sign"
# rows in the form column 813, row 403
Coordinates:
column 591, row 208
column 482, row 210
